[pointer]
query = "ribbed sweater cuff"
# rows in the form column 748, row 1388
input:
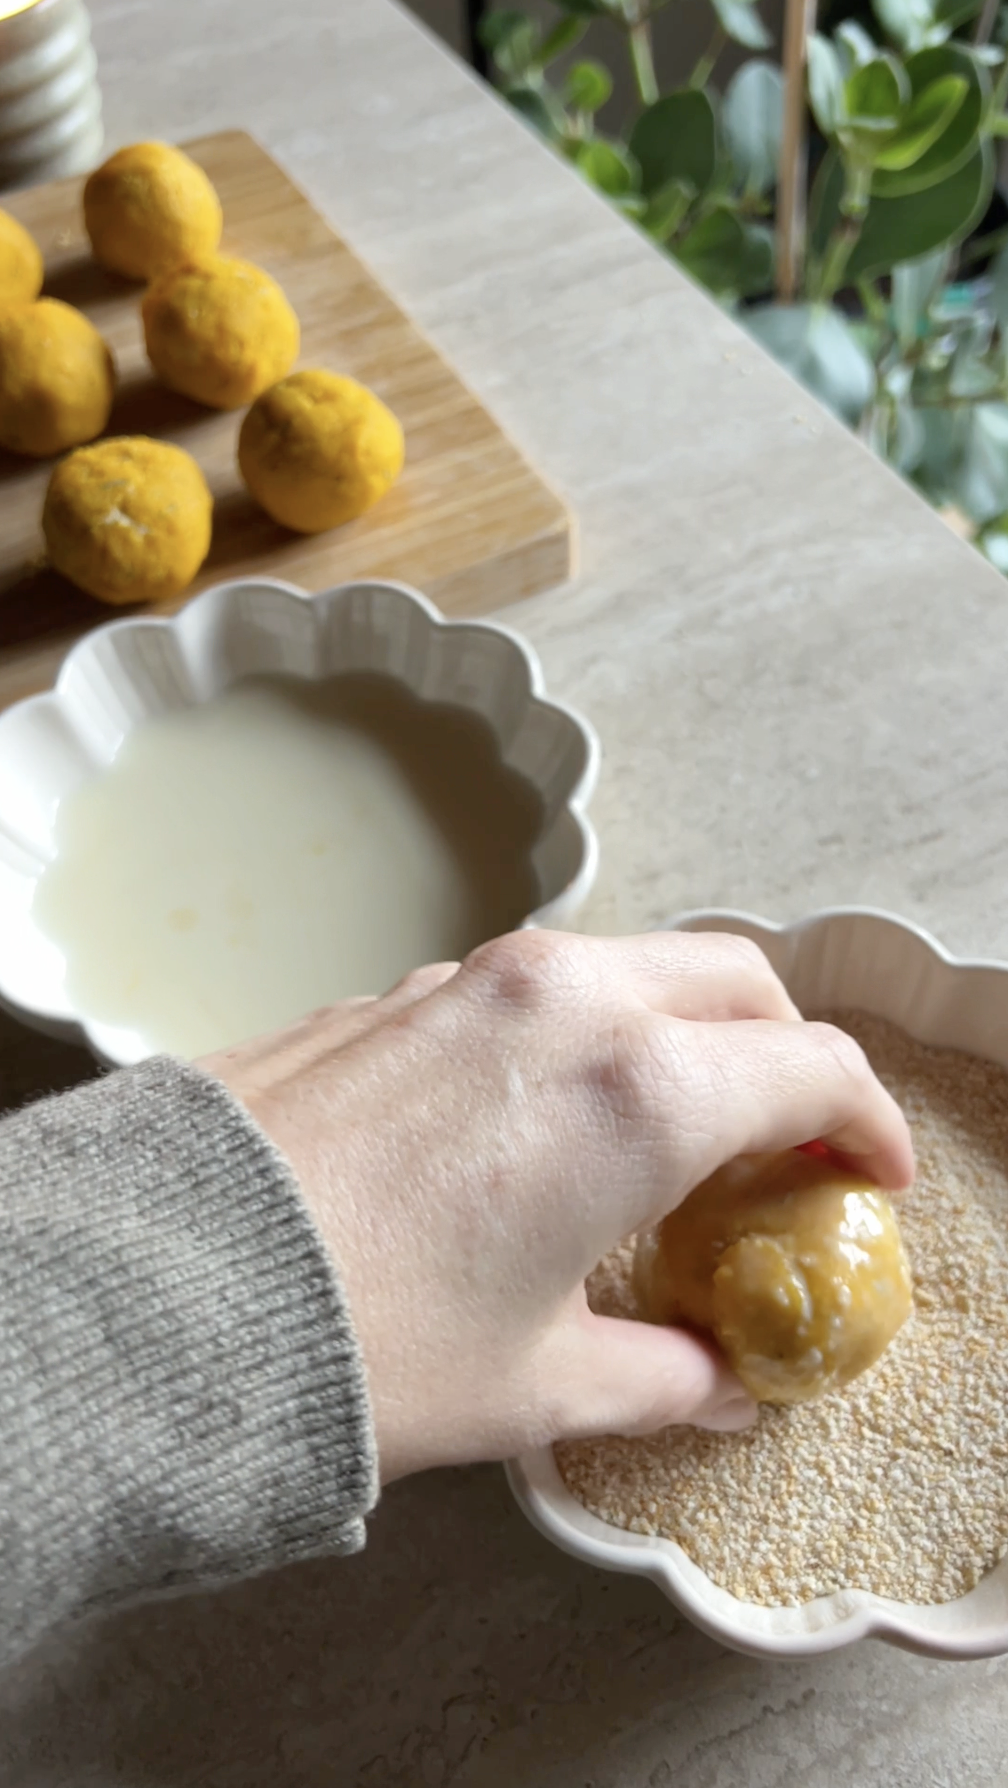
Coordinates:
column 182, row 1399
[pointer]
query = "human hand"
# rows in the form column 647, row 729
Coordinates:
column 472, row 1144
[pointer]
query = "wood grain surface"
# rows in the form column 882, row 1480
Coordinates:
column 469, row 522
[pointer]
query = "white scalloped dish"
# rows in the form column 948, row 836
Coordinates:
column 139, row 668
column 874, row 962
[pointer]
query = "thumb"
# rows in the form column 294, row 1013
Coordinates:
column 632, row 1378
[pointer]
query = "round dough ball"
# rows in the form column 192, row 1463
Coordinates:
column 147, row 208
column 21, row 269
column 57, row 378
column 795, row 1266
column 317, row 450
column 128, row 520
column 219, row 331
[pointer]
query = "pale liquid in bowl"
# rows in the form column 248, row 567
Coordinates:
column 283, row 846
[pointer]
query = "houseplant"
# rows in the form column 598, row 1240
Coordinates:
column 834, row 203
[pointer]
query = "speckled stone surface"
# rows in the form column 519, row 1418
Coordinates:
column 798, row 675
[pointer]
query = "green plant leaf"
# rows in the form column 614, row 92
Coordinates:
column 973, row 378
column 914, row 285
column 963, row 317
column 907, row 22
column 998, row 275
column 958, row 141
column 953, row 13
column 853, row 46
column 907, row 442
column 666, row 208
column 588, row 86
column 872, row 337
column 499, row 24
column 981, row 486
column 993, row 542
column 756, row 270
column 895, row 429
column 536, row 110
column 609, row 167
column 825, row 85
column 753, row 118
column 740, row 20
column 512, row 40
column 712, row 251
column 873, row 130
column 903, row 229
column 877, row 89
column 676, row 139
column 562, row 38
column 588, row 9
column 727, row 254
column 926, row 119
column 817, row 346
column 824, row 201
column 945, row 433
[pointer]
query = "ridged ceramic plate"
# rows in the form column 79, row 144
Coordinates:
column 871, row 961
column 134, row 669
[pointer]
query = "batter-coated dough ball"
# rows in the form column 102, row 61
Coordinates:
column 318, row 449
column 57, row 378
column 128, row 520
column 21, row 269
column 795, row 1266
column 219, row 331
column 147, row 208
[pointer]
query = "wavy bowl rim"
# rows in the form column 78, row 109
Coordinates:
column 537, row 1487
column 72, row 1027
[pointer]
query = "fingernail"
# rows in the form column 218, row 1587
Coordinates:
column 735, row 1412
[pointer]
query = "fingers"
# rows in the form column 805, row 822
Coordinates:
column 720, row 1090
column 812, row 1081
column 701, row 976
column 632, row 1378
column 711, row 976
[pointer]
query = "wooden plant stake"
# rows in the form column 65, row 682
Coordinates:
column 799, row 23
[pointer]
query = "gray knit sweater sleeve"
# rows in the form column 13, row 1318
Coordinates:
column 182, row 1401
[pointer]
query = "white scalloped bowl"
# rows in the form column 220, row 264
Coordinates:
column 856, row 958
column 130, row 670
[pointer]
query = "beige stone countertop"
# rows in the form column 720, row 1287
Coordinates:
column 799, row 678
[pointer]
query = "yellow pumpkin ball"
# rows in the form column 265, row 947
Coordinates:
column 128, row 520
column 318, row 449
column 21, row 269
column 57, row 378
column 219, row 331
column 795, row 1266
column 147, row 208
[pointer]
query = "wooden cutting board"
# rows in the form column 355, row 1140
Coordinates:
column 469, row 523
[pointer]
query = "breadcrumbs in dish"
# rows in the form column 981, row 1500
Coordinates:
column 898, row 1484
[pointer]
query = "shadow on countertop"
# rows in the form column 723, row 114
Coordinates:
column 461, row 1651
